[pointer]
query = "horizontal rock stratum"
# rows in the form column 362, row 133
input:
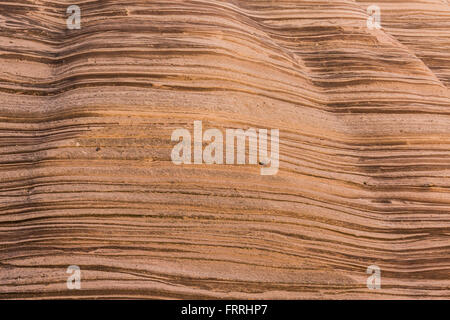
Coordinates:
column 86, row 176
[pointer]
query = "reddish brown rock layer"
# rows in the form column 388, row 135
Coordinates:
column 85, row 171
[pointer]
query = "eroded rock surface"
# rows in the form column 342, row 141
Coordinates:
column 86, row 176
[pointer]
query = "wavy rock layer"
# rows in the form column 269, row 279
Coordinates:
column 85, row 171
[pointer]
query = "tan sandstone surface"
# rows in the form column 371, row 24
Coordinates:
column 86, row 176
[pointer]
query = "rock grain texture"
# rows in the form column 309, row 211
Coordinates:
column 86, row 176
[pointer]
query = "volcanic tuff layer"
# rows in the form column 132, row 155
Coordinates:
column 86, row 177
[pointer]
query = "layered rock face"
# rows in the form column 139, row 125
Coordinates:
column 87, row 179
